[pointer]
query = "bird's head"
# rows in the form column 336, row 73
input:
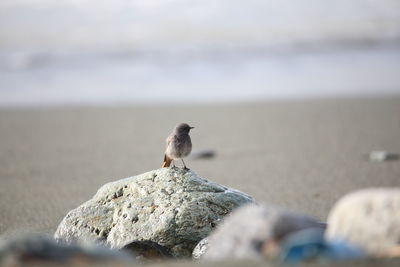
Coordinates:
column 182, row 128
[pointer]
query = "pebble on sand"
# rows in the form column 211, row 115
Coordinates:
column 383, row 156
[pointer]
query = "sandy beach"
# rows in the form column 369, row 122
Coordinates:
column 301, row 155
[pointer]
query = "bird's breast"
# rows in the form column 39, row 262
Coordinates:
column 180, row 147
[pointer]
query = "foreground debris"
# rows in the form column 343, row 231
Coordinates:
column 38, row 249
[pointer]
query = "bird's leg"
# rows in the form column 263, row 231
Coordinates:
column 173, row 164
column 184, row 165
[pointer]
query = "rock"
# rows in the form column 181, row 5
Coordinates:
column 200, row 249
column 368, row 218
column 170, row 206
column 383, row 156
column 147, row 250
column 202, row 154
column 252, row 231
column 37, row 249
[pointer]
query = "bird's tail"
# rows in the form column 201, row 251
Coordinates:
column 167, row 161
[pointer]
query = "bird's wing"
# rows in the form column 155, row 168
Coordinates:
column 167, row 160
column 169, row 139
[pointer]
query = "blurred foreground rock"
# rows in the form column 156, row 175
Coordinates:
column 170, row 206
column 368, row 218
column 36, row 249
column 252, row 232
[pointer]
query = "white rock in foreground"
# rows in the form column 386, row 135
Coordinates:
column 173, row 207
column 368, row 218
column 245, row 233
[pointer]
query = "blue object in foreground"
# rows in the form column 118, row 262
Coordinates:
column 310, row 245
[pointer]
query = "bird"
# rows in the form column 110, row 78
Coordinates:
column 179, row 145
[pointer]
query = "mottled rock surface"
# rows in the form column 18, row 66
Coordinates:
column 170, row 206
column 200, row 249
column 368, row 218
column 248, row 231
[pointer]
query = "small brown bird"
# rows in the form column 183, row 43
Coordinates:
column 179, row 145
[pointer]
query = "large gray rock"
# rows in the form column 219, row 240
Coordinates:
column 369, row 218
column 172, row 207
column 251, row 232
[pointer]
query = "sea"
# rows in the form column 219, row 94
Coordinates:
column 97, row 52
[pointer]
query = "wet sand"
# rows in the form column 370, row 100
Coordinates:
column 302, row 155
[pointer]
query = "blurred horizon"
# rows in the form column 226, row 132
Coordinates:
column 173, row 51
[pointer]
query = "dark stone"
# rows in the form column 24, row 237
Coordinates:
column 147, row 250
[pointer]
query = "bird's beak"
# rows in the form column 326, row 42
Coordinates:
column 191, row 127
